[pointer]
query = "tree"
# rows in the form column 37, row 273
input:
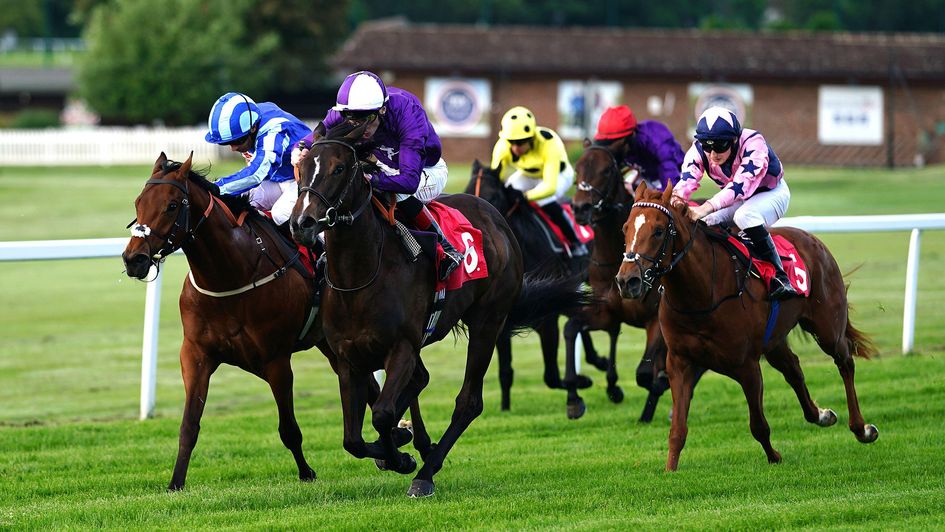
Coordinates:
column 169, row 61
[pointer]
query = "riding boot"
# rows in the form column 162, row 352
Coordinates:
column 425, row 222
column 559, row 218
column 764, row 246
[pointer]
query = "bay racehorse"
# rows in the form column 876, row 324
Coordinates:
column 538, row 254
column 247, row 300
column 378, row 302
column 602, row 201
column 715, row 315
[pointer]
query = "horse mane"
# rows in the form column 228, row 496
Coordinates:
column 238, row 203
column 341, row 132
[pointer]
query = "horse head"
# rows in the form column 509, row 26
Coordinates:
column 486, row 183
column 654, row 229
column 600, row 189
column 163, row 222
column 330, row 182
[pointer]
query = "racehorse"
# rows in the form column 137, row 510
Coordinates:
column 246, row 302
column 532, row 237
column 377, row 302
column 713, row 314
column 603, row 202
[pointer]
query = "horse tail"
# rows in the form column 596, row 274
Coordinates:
column 544, row 296
column 860, row 344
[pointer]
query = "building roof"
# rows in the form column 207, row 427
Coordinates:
column 395, row 44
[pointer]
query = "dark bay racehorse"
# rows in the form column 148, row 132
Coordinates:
column 378, row 302
column 253, row 307
column 714, row 315
column 539, row 256
column 603, row 202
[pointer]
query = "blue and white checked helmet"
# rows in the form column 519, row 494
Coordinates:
column 361, row 91
column 718, row 123
column 231, row 117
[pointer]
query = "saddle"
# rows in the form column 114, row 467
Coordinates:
column 740, row 247
column 554, row 235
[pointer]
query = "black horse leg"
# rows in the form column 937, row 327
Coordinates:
column 614, row 392
column 278, row 374
column 386, row 411
column 468, row 403
column 196, row 369
column 590, row 352
column 504, row 351
column 575, row 404
column 549, row 334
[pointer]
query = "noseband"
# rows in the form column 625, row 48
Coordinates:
column 182, row 223
column 332, row 215
column 655, row 271
column 603, row 206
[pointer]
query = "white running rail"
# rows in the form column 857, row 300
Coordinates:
column 113, row 247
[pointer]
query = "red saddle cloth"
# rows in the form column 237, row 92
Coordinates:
column 466, row 239
column 584, row 232
column 793, row 264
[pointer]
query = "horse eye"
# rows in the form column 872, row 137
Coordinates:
column 172, row 206
column 658, row 233
column 338, row 169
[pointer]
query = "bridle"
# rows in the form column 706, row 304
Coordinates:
column 332, row 215
column 605, row 206
column 172, row 240
column 652, row 273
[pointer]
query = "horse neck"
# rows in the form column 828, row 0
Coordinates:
column 219, row 254
column 698, row 279
column 609, row 243
column 352, row 250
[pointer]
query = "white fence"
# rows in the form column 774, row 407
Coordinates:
column 113, row 247
column 103, row 146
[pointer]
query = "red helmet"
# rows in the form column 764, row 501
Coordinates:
column 616, row 122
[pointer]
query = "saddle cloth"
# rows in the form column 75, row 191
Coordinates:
column 466, row 239
column 560, row 243
column 793, row 264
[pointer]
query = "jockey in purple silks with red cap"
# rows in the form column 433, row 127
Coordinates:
column 647, row 147
column 407, row 149
column 754, row 193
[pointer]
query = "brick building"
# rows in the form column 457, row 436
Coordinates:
column 819, row 98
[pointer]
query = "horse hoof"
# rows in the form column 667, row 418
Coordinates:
column 420, row 488
column 870, row 433
column 576, row 409
column 615, row 394
column 582, row 382
column 827, row 417
column 308, row 476
column 174, row 487
column 775, row 458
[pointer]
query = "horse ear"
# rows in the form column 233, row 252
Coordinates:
column 476, row 166
column 668, row 193
column 587, row 142
column 159, row 163
column 638, row 194
column 185, row 166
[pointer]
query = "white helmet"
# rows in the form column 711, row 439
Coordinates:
column 361, row 91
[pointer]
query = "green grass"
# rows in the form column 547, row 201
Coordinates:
column 72, row 454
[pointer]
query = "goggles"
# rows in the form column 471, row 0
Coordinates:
column 717, row 145
column 519, row 142
column 357, row 118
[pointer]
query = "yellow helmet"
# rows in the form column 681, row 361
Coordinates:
column 518, row 124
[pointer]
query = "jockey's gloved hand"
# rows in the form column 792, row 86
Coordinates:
column 516, row 194
column 214, row 189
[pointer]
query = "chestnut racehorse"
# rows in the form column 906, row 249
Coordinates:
column 715, row 315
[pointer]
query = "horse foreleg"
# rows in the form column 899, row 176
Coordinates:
column 614, row 392
column 749, row 376
column 400, row 366
column 196, row 369
column 651, row 373
column 576, row 407
column 548, row 337
column 468, row 406
column 503, row 349
column 278, row 374
column 680, row 373
column 590, row 352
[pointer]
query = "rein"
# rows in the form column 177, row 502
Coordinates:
column 604, row 205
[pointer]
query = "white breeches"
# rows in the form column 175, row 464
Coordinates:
column 763, row 208
column 520, row 181
column 432, row 182
column 278, row 198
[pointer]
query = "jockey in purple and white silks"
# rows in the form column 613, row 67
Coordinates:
column 264, row 134
column 406, row 148
column 754, row 193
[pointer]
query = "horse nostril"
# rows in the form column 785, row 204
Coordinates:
column 307, row 223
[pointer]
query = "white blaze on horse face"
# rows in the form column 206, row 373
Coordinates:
column 140, row 231
column 637, row 224
column 305, row 203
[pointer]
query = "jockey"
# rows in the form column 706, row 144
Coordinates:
column 263, row 134
column 647, row 147
column 542, row 169
column 406, row 148
column 754, row 193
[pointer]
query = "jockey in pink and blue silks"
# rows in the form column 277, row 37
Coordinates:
column 406, row 148
column 754, row 193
